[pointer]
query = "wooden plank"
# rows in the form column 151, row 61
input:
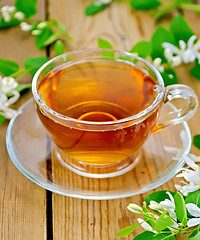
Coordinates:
column 88, row 219
column 22, row 203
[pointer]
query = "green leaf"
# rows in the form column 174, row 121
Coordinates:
column 193, row 197
column 152, row 236
column 28, row 7
column 196, row 141
column 8, row 67
column 13, row 22
column 127, row 230
column 105, row 44
column 22, row 87
column 32, row 64
column 52, row 38
column 2, row 118
column 169, row 77
column 144, row 235
column 195, row 71
column 144, row 4
column 195, row 235
column 94, row 8
column 180, row 29
column 59, row 47
column 180, row 208
column 182, row 1
column 158, row 196
column 102, row 43
column 160, row 35
column 163, row 222
column 42, row 38
column 142, row 48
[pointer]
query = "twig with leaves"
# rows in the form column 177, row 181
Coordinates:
column 174, row 213
column 46, row 32
column 168, row 49
column 158, row 8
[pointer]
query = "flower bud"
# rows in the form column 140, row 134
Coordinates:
column 19, row 16
column 134, row 208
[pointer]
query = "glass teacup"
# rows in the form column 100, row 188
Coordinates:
column 99, row 106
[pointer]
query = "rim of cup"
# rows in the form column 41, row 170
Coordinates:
column 135, row 117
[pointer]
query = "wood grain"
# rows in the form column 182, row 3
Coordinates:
column 22, row 203
column 87, row 219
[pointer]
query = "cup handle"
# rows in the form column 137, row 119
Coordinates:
column 181, row 114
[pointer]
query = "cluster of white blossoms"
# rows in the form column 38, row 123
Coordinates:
column 191, row 174
column 185, row 53
column 10, row 12
column 8, row 86
column 26, row 27
column 167, row 206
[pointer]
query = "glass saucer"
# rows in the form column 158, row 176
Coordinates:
column 33, row 154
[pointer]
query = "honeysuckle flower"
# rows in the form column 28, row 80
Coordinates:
column 7, row 84
column 191, row 174
column 145, row 225
column 174, row 60
column 5, row 102
column 186, row 53
column 134, row 208
column 194, row 210
column 100, row 2
column 7, row 12
column 167, row 205
column 41, row 25
column 25, row 26
column 36, row 32
column 157, row 64
column 19, row 16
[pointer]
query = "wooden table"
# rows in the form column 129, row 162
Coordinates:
column 28, row 211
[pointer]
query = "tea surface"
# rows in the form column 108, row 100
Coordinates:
column 100, row 90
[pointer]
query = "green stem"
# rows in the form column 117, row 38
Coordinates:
column 166, row 7
column 20, row 72
column 187, row 6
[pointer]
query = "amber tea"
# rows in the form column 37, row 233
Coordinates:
column 99, row 91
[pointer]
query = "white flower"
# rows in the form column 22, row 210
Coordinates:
column 157, row 64
column 7, row 12
column 41, row 25
column 134, row 208
column 25, row 26
column 194, row 210
column 186, row 53
column 191, row 173
column 7, row 84
column 36, row 32
column 101, row 2
column 19, row 16
column 166, row 205
column 175, row 61
column 5, row 102
column 145, row 225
